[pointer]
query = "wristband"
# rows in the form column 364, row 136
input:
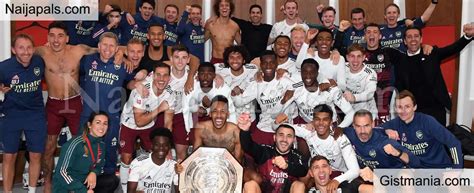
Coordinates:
column 434, row 1
column 400, row 154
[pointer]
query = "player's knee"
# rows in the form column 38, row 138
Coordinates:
column 251, row 187
column 297, row 186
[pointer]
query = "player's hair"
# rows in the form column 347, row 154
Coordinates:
column 363, row 113
column 115, row 8
column 151, row 2
column 404, row 94
column 172, row 5
column 206, row 65
column 324, row 29
column 91, row 118
column 298, row 28
column 197, row 6
column 284, row 125
column 179, row 48
column 268, row 53
column 135, row 41
column 163, row 132
column 156, row 25
column 220, row 98
column 323, row 108
column 413, row 28
column 161, row 65
column 109, row 35
column 372, row 25
column 236, row 49
column 317, row 158
column 329, row 8
column 284, row 37
column 257, row 6
column 291, row 1
column 391, row 5
column 59, row 25
column 22, row 36
column 355, row 47
column 358, row 10
column 216, row 6
column 310, row 61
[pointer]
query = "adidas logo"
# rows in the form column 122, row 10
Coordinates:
column 148, row 178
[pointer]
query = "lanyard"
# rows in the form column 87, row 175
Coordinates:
column 92, row 152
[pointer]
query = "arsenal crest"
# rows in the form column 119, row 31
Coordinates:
column 15, row 79
column 94, row 65
column 380, row 57
column 37, row 71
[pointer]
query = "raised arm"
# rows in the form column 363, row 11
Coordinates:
column 429, row 11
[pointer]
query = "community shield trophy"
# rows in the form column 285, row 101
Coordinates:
column 211, row 170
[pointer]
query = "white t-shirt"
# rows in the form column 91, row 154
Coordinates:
column 193, row 100
column 177, row 86
column 306, row 101
column 268, row 96
column 363, row 85
column 148, row 104
column 242, row 81
column 152, row 177
column 282, row 28
column 339, row 152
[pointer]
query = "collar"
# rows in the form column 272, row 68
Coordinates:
column 416, row 53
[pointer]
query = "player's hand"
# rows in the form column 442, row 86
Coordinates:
column 409, row 22
column 280, row 162
column 91, row 180
column 142, row 90
column 188, row 8
column 107, row 9
column 219, row 81
column 130, row 19
column 206, row 102
column 335, row 57
column 349, row 96
column 366, row 174
column 390, row 150
column 178, row 168
column 256, row 61
column 258, row 76
column 320, row 8
column 324, row 86
column 468, row 29
column 311, row 34
column 202, row 112
column 189, row 85
column 332, row 82
column 4, row 89
column 141, row 75
column 332, row 186
column 344, row 25
column 243, row 122
column 281, row 118
column 287, row 96
column 392, row 134
column 90, row 191
column 427, row 49
column 280, row 72
column 337, row 132
column 236, row 91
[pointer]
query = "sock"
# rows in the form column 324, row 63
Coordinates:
column 124, row 171
column 31, row 189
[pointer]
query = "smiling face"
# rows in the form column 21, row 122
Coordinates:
column 358, row 20
column 328, row 18
column 156, row 35
column 195, row 15
column 160, row 146
column 224, row 8
column 282, row 47
column 320, row 170
column 23, row 50
column 391, row 16
column 57, row 39
column 107, row 48
column 355, row 59
column 323, row 42
column 322, row 123
column 297, row 40
column 146, row 11
column 309, row 73
column 268, row 65
column 135, row 53
column 236, row 61
column 372, row 36
column 255, row 15
column 413, row 40
column 291, row 10
column 171, row 14
column 219, row 114
column 179, row 60
column 98, row 126
column 284, row 138
column 161, row 78
column 405, row 109
column 206, row 77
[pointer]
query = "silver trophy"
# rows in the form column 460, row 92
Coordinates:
column 211, row 170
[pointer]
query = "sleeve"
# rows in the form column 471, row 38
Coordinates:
column 344, row 105
column 66, row 161
column 273, row 33
column 350, row 159
column 444, row 136
column 252, row 148
column 339, row 43
column 301, row 131
column 181, row 29
column 249, row 94
column 341, row 73
column 370, row 88
column 82, row 66
column 239, row 22
column 134, row 175
column 138, row 101
column 302, row 55
column 388, row 125
column 452, row 49
column 418, row 22
column 189, row 106
column 99, row 30
column 413, row 161
column 129, row 76
column 297, row 165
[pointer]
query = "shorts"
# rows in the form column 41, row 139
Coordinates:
column 129, row 136
column 33, row 124
column 262, row 137
column 60, row 112
column 216, row 60
column 180, row 135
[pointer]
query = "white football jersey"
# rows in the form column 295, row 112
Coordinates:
column 363, row 85
column 148, row 104
column 282, row 28
column 152, row 177
column 177, row 87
